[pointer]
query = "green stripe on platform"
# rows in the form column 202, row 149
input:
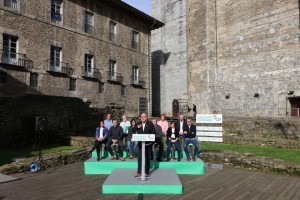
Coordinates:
column 144, row 189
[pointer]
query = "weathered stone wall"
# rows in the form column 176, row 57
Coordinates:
column 281, row 133
column 36, row 33
column 168, row 55
column 65, row 116
column 257, row 51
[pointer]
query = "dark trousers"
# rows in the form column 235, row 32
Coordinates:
column 177, row 147
column 147, row 159
column 120, row 147
column 97, row 146
column 160, row 144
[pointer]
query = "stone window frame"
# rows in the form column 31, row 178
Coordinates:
column 33, row 80
column 61, row 12
column 89, row 28
column 135, row 79
column 123, row 90
column 113, row 35
column 14, row 6
column 135, row 44
column 72, row 84
column 17, row 49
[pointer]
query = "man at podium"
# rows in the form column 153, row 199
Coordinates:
column 144, row 127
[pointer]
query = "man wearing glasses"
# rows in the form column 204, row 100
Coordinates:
column 190, row 138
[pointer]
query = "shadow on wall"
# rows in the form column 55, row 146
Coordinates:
column 65, row 116
column 159, row 58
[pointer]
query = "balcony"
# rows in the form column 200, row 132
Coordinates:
column 58, row 67
column 90, row 73
column 137, row 81
column 89, row 28
column 113, row 37
column 114, row 77
column 16, row 59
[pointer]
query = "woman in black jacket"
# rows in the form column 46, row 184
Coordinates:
column 173, row 138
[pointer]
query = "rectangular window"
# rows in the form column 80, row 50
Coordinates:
column 135, row 40
column 88, row 65
column 33, row 80
column 72, row 84
column 3, row 77
column 89, row 22
column 112, row 31
column 113, row 70
column 123, row 93
column 55, row 58
column 143, row 107
column 56, row 11
column 135, row 74
column 13, row 4
column 10, row 49
column 101, row 87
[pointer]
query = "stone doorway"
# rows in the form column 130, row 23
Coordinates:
column 295, row 106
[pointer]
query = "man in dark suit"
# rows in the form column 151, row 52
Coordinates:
column 190, row 138
column 181, row 126
column 144, row 127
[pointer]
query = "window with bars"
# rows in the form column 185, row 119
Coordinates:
column 13, row 4
column 112, row 31
column 101, row 87
column 56, row 11
column 72, row 84
column 123, row 90
column 3, row 77
column 33, row 80
column 135, row 40
column 10, row 49
column 143, row 107
column 89, row 22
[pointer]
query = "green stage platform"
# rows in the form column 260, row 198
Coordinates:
column 162, row 181
column 106, row 166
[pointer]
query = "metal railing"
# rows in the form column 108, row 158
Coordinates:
column 58, row 67
column 89, row 28
column 137, row 81
column 112, row 37
column 16, row 59
column 114, row 76
column 90, row 73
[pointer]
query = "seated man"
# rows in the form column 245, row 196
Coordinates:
column 190, row 138
column 115, row 136
column 173, row 138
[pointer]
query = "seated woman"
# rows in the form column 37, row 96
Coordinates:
column 173, row 138
column 132, row 145
column 101, row 135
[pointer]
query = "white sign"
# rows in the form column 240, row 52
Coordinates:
column 209, row 118
column 143, row 137
column 211, row 134
column 209, row 128
column 210, row 139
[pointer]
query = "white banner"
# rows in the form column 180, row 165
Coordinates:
column 143, row 137
column 210, row 139
column 209, row 128
column 209, row 118
column 211, row 134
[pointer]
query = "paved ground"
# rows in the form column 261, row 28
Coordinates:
column 69, row 182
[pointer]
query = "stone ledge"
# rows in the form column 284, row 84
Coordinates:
column 251, row 162
column 52, row 160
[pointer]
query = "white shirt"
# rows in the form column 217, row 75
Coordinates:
column 143, row 126
column 181, row 126
column 101, row 132
column 125, row 126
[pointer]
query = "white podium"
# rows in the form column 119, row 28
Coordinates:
column 143, row 138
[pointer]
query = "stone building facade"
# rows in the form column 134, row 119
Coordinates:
column 96, row 50
column 243, row 57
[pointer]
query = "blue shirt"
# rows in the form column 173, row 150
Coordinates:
column 107, row 124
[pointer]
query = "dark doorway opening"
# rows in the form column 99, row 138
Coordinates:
column 295, row 106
